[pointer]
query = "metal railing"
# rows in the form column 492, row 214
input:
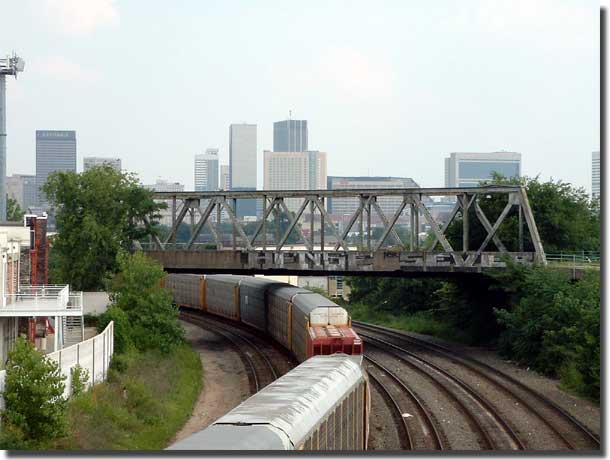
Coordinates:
column 580, row 257
column 45, row 297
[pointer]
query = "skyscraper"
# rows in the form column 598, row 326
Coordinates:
column 470, row 169
column 595, row 189
column 290, row 136
column 92, row 162
column 225, row 184
column 55, row 151
column 22, row 189
column 206, row 171
column 242, row 164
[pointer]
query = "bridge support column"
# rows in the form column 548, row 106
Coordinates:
column 465, row 223
column 368, row 225
column 264, row 223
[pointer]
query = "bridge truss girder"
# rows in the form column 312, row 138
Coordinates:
column 330, row 239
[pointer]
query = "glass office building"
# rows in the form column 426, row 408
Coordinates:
column 470, row 169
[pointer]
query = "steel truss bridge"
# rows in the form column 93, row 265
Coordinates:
column 323, row 247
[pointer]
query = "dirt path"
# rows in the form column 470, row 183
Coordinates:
column 225, row 381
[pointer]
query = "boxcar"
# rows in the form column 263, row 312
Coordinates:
column 279, row 312
column 222, row 295
column 186, row 289
column 322, row 404
column 253, row 301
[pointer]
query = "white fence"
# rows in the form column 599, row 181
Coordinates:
column 93, row 355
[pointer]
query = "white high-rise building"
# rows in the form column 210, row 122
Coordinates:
column 225, row 183
column 92, row 162
column 206, row 171
column 295, row 171
column 242, row 164
column 595, row 175
column 470, row 169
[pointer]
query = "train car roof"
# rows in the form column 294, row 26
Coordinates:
column 286, row 291
column 298, row 400
column 259, row 282
column 309, row 301
column 231, row 437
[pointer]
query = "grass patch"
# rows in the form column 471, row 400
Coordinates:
column 147, row 398
column 422, row 322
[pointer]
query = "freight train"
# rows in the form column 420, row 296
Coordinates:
column 303, row 322
column 322, row 404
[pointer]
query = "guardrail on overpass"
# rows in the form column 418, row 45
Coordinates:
column 324, row 246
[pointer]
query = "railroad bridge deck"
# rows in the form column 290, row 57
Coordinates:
column 296, row 233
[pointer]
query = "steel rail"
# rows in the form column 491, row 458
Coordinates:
column 428, row 420
column 389, row 396
column 497, row 418
column 257, row 378
column 471, row 363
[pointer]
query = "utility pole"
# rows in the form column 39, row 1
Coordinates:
column 9, row 66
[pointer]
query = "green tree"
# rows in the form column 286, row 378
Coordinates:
column 565, row 217
column 14, row 213
column 33, row 394
column 136, row 290
column 98, row 213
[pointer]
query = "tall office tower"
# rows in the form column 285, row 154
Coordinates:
column 295, row 171
column 225, row 184
column 242, row 164
column 22, row 189
column 92, row 162
column 55, row 151
column 349, row 205
column 290, row 136
column 206, row 171
column 470, row 169
column 595, row 174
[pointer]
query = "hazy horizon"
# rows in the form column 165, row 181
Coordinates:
column 389, row 88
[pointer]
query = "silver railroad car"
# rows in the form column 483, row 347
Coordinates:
column 186, row 289
column 252, row 301
column 322, row 404
column 311, row 309
column 222, row 295
column 279, row 312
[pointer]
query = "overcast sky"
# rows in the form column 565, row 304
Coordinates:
column 387, row 87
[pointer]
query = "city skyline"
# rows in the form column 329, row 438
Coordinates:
column 366, row 103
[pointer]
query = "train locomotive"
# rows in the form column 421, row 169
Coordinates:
column 304, row 322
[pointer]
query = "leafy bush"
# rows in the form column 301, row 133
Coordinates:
column 35, row 406
column 79, row 378
column 553, row 325
column 122, row 328
column 152, row 319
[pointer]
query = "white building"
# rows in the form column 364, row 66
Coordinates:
column 347, row 206
column 595, row 175
column 19, row 303
column 470, row 169
column 225, row 182
column 162, row 185
column 206, row 171
column 242, row 156
column 92, row 162
column 295, row 171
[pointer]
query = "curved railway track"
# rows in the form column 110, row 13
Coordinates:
column 420, row 427
column 261, row 371
column 568, row 431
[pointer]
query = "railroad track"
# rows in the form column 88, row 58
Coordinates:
column 566, row 429
column 419, row 426
column 261, row 371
